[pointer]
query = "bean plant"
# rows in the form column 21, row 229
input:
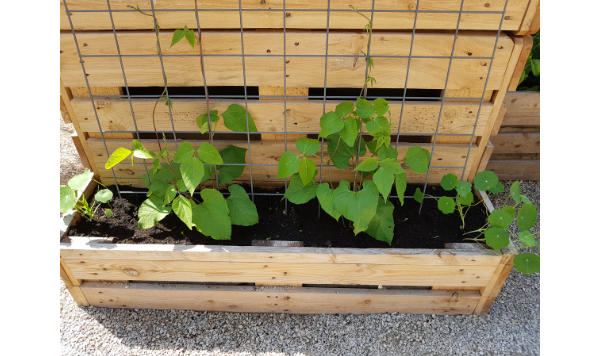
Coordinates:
column 495, row 232
column 71, row 196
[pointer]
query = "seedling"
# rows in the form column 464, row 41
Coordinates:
column 71, row 196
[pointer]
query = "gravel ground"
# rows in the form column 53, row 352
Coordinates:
column 511, row 328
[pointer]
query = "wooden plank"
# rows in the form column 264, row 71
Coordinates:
column 499, row 120
column 303, row 115
column 489, row 149
column 93, row 249
column 80, row 151
column 284, row 273
column 84, row 93
column 522, row 109
column 301, row 71
column 279, row 91
column 497, row 100
column 297, row 19
column 467, row 93
column 64, row 112
column 75, row 290
column 279, row 299
column 277, row 243
column 485, row 305
column 516, row 142
column 516, row 77
column 508, row 169
column 531, row 19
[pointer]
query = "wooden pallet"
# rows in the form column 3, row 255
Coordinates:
column 465, row 278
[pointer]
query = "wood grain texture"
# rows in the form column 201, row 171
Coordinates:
column 64, row 112
column 531, row 19
column 426, row 73
column 486, row 304
column 284, row 273
column 516, row 77
column 515, row 169
column 84, row 93
column 522, row 109
column 297, row 19
column 499, row 120
column 302, row 115
column 80, row 150
column 278, row 299
column 516, row 142
column 284, row 92
column 75, row 290
column 489, row 149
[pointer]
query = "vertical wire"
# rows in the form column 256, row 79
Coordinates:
column 246, row 100
column 210, row 133
column 483, row 94
column 87, row 83
column 412, row 41
column 365, row 88
column 324, row 102
column 162, row 66
column 442, row 104
column 125, row 81
column 284, row 103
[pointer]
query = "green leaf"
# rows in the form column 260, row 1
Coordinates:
column 485, row 180
column 140, row 151
column 151, row 212
column 384, row 181
column 535, row 67
column 212, row 216
column 527, row 238
column 364, row 109
column 382, row 106
column 155, row 165
column 109, row 213
column 386, row 152
column 231, row 154
column 289, row 163
column 163, row 174
column 307, row 170
column 340, row 197
column 242, row 210
column 339, row 152
column 525, row 199
column 392, row 166
column 117, row 156
column 379, row 127
column 500, row 218
column 467, row 200
column 499, row 188
column 185, row 151
column 369, row 164
column 400, row 186
column 170, row 194
column 526, row 217
column 209, row 171
column 446, row 205
column 515, row 192
column 158, row 187
column 307, row 146
column 177, row 36
column 180, row 185
column 362, row 206
column 326, row 199
column 449, row 181
column 417, row 159
column 463, row 188
column 80, row 181
column 510, row 210
column 68, row 198
column 527, row 263
column 496, row 238
column 343, row 109
column 235, row 119
column 189, row 35
column 104, row 196
column 209, row 154
column 202, row 120
column 183, row 209
column 381, row 227
column 192, row 172
column 350, row 131
column 298, row 193
column 418, row 196
column 330, row 124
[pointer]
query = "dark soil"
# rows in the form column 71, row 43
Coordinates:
column 430, row 229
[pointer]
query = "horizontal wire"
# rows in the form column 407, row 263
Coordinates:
column 274, row 55
column 295, row 10
column 290, row 132
column 275, row 165
column 154, row 96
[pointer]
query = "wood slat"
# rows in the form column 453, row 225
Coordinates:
column 515, row 169
column 516, row 77
column 522, row 109
column 531, row 19
column 516, row 142
column 302, row 115
column 426, row 73
column 278, row 299
column 488, row 297
column 75, row 290
column 489, row 149
column 516, row 10
column 285, row 273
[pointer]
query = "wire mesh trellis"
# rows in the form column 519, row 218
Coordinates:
column 206, row 97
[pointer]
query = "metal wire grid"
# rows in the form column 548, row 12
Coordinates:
column 285, row 96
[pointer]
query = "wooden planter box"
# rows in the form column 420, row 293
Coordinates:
column 464, row 278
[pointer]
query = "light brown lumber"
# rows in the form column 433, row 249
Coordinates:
column 67, row 97
column 75, row 290
column 516, row 77
column 301, row 71
column 80, row 151
column 499, row 120
column 84, row 93
column 279, row 91
column 279, row 299
column 285, row 273
column 523, row 109
column 531, row 19
column 489, row 149
column 303, row 115
column 497, row 100
column 298, row 19
column 86, row 248
column 515, row 169
column 516, row 142
column 490, row 292
column 468, row 93
column 64, row 112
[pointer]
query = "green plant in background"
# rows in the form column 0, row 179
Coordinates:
column 530, row 78
column 495, row 232
column 71, row 196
